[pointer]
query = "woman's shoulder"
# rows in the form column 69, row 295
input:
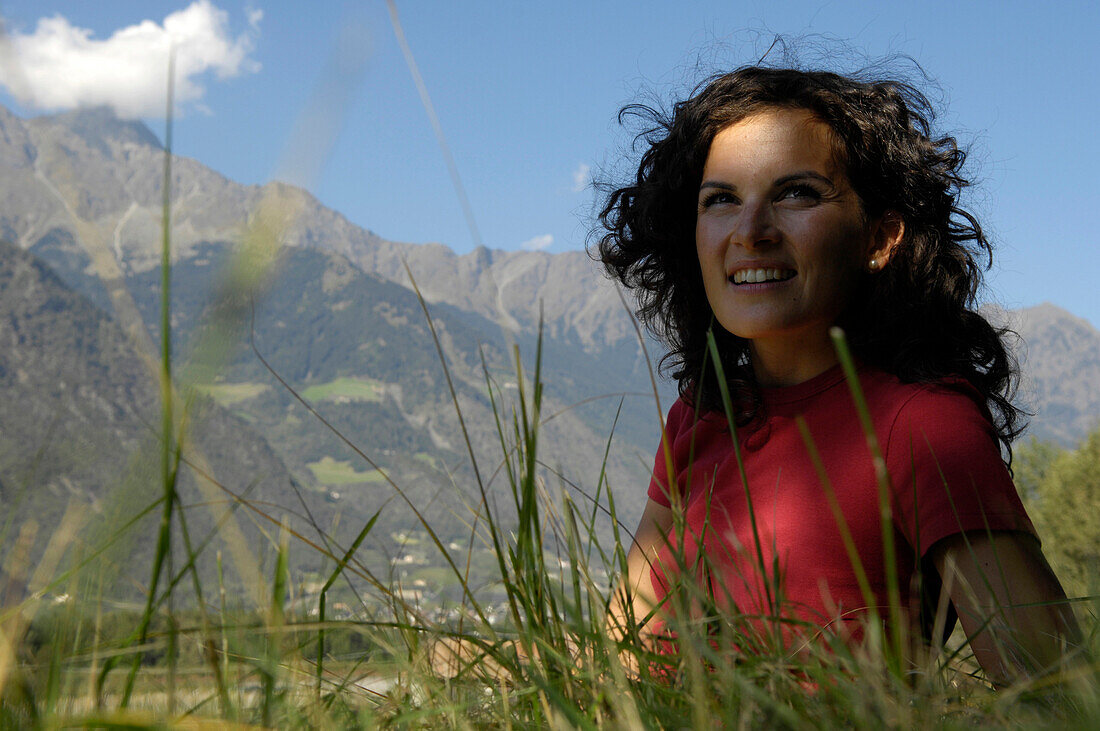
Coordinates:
column 948, row 415
column 920, row 400
column 947, row 470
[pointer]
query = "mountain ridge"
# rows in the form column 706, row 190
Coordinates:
column 99, row 125
column 506, row 286
column 1059, row 356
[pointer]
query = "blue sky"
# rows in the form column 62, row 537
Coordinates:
column 527, row 93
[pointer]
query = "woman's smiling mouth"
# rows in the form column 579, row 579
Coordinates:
column 757, row 276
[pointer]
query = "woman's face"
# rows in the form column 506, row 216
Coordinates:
column 781, row 236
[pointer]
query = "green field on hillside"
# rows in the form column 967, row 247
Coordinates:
column 331, row 471
column 227, row 394
column 350, row 389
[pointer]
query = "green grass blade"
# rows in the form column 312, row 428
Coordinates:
column 723, row 388
column 898, row 631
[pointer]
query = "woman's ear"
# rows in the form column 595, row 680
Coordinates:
column 886, row 234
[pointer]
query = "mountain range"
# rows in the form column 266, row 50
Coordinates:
column 329, row 306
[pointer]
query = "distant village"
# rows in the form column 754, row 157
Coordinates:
column 423, row 585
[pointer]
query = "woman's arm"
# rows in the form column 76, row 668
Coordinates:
column 637, row 586
column 1014, row 611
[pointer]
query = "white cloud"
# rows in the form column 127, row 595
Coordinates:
column 538, row 243
column 60, row 66
column 581, row 177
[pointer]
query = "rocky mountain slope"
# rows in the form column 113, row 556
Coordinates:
column 80, row 414
column 1059, row 356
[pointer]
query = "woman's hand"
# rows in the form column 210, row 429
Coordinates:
column 1014, row 611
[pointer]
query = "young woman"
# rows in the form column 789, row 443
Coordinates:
column 771, row 206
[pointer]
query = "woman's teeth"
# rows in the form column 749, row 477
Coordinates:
column 755, row 276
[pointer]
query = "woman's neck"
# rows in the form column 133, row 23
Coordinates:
column 780, row 362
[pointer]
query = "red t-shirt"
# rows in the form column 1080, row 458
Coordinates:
column 946, row 476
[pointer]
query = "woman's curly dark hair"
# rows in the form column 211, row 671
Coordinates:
column 915, row 318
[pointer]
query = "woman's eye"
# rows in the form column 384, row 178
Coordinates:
column 717, row 197
column 800, row 192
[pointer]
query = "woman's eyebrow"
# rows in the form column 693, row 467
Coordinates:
column 802, row 175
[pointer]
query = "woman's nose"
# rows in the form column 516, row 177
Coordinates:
column 755, row 226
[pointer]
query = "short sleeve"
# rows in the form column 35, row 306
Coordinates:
column 946, row 469
column 676, row 425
